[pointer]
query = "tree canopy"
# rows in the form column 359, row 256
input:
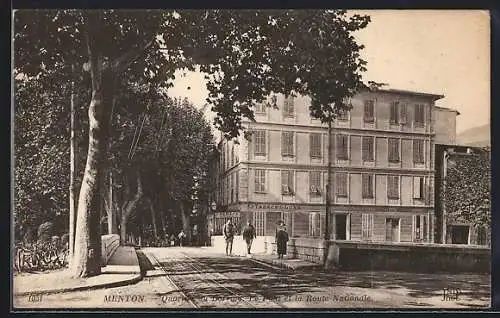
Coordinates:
column 246, row 54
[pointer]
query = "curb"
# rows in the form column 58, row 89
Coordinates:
column 125, row 282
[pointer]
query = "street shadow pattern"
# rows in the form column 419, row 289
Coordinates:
column 247, row 277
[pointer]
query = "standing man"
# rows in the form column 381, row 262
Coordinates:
column 281, row 239
column 248, row 236
column 228, row 232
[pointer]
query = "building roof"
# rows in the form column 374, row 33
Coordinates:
column 449, row 109
column 434, row 97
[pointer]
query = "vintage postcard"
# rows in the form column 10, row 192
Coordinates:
column 251, row 159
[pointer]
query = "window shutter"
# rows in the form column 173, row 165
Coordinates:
column 403, row 113
column 284, row 143
column 416, row 188
column 394, row 113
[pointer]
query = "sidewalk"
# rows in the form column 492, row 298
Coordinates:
column 122, row 269
column 288, row 263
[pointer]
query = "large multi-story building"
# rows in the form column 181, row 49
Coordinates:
column 382, row 168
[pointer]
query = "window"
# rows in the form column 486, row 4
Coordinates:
column 259, row 220
column 394, row 118
column 393, row 150
column 342, row 141
column 367, row 181
column 260, row 142
column 369, row 111
column 287, row 182
column 366, row 226
column 418, row 187
column 237, row 186
column 418, row 151
column 459, row 234
column 403, row 113
column 392, row 229
column 368, row 148
column 260, row 108
column 393, row 187
column 341, row 184
column 343, row 115
column 314, row 224
column 315, row 182
column 260, row 180
column 232, row 187
column 287, row 143
column 419, row 228
column 288, row 106
column 419, row 115
column 315, row 145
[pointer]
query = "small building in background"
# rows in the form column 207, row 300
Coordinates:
column 452, row 228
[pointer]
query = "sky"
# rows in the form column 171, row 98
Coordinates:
column 445, row 52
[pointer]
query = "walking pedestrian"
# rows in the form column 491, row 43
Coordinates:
column 248, row 236
column 228, row 232
column 281, row 239
column 181, row 236
column 172, row 240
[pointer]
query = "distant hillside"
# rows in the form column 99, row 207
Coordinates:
column 478, row 136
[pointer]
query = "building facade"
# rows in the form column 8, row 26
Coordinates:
column 382, row 168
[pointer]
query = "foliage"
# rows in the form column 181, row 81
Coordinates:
column 45, row 231
column 467, row 194
column 41, row 152
column 243, row 52
column 168, row 142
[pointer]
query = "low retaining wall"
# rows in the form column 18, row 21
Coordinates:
column 409, row 257
column 309, row 249
column 109, row 244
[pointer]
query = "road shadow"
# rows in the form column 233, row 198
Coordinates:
column 274, row 283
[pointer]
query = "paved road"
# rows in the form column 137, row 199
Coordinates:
column 201, row 278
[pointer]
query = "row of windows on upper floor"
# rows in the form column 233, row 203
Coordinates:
column 342, row 146
column 231, row 185
column 341, row 184
column 398, row 112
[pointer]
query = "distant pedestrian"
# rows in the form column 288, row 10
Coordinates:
column 194, row 236
column 182, row 237
column 249, row 235
column 281, row 239
column 228, row 232
column 172, row 240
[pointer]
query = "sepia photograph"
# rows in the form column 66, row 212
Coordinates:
column 216, row 159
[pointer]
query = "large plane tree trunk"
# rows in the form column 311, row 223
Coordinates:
column 87, row 249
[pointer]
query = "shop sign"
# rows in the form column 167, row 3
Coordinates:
column 273, row 206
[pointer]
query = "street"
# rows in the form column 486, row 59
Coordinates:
column 193, row 277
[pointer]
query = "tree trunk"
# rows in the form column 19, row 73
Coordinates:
column 153, row 218
column 128, row 209
column 87, row 247
column 186, row 222
column 123, row 231
column 162, row 218
column 72, row 183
